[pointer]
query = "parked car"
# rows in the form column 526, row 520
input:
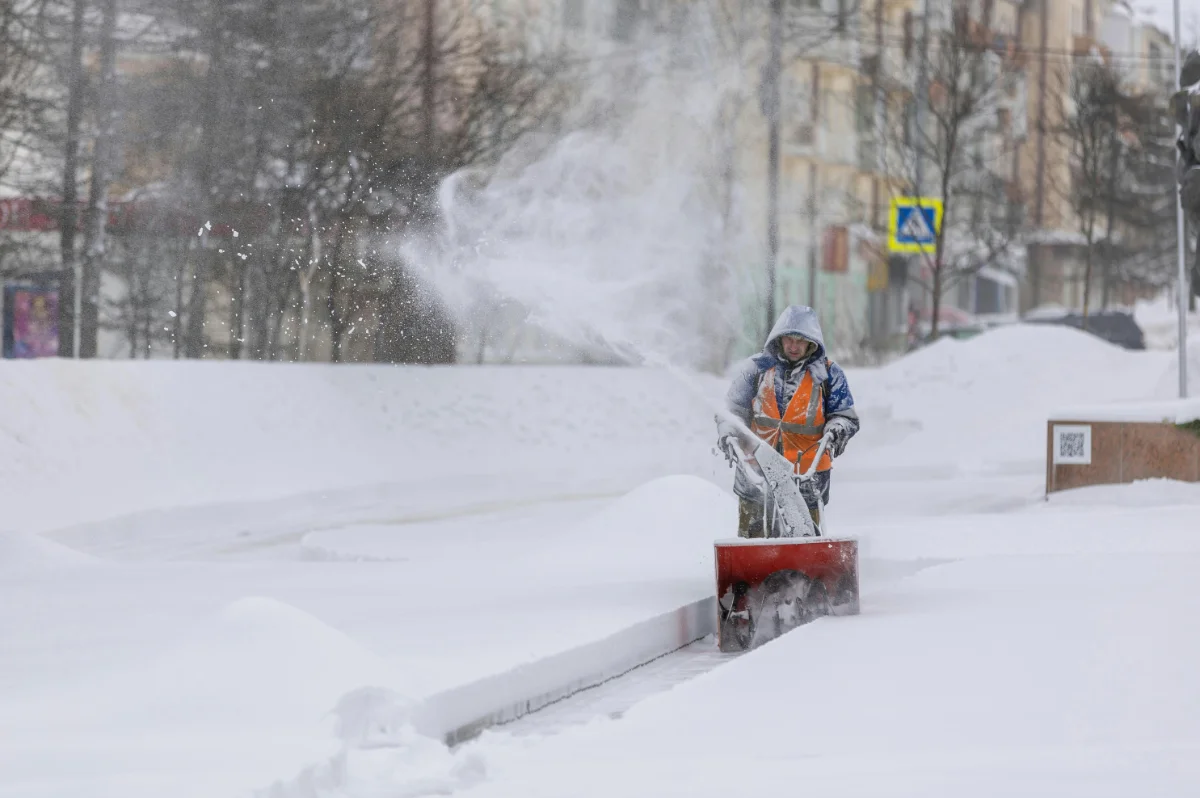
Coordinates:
column 1115, row 326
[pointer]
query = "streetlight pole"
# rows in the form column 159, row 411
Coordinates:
column 1181, row 233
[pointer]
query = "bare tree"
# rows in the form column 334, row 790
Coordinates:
column 1121, row 154
column 1092, row 129
column 23, row 102
column 372, row 164
column 1146, row 255
column 142, row 258
column 962, row 148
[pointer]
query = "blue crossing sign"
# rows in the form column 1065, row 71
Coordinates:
column 913, row 224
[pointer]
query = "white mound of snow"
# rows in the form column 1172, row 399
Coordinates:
column 381, row 755
column 1163, row 411
column 981, row 405
column 1159, row 320
column 257, row 663
column 1169, row 385
column 661, row 530
column 23, row 552
column 130, row 436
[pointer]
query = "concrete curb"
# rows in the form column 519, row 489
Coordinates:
column 464, row 712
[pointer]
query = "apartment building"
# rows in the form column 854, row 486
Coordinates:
column 984, row 178
column 1142, row 51
column 1058, row 34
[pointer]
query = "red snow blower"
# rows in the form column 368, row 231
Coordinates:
column 794, row 574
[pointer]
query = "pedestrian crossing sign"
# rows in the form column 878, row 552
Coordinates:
column 913, row 224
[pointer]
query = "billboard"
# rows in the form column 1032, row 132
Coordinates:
column 30, row 322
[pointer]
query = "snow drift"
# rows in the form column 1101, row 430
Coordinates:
column 123, row 437
column 120, row 437
column 981, row 405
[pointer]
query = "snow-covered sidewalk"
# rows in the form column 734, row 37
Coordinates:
column 239, row 663
column 1049, row 653
column 269, row 572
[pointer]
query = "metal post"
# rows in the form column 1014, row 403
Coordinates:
column 1181, row 234
column 77, row 327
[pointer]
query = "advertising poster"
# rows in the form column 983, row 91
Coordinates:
column 30, row 322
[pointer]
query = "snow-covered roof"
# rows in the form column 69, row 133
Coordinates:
column 1173, row 411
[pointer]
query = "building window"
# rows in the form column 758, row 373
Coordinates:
column 573, row 14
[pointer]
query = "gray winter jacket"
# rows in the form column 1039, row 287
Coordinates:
column 839, row 403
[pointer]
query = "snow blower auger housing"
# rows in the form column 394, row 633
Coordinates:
column 794, row 574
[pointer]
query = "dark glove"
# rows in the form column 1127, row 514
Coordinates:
column 838, row 430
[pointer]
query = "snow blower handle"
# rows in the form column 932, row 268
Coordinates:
column 738, row 459
column 826, row 439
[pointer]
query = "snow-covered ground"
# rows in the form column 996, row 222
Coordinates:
column 270, row 569
column 1047, row 655
column 244, row 545
column 1159, row 320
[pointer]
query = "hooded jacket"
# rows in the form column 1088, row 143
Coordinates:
column 838, row 402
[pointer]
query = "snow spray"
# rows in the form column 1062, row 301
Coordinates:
column 617, row 236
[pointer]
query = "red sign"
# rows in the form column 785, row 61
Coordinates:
column 35, row 215
column 836, row 249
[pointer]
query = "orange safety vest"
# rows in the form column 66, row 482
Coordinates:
column 797, row 433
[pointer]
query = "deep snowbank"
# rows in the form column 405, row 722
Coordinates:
column 230, row 676
column 118, row 437
column 981, row 405
column 24, row 554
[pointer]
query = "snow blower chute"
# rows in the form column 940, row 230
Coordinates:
column 793, row 574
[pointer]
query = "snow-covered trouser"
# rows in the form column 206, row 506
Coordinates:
column 750, row 513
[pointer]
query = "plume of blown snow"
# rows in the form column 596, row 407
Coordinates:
column 616, row 236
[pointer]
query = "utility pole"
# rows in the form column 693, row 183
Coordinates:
column 428, row 76
column 69, row 213
column 1181, row 232
column 771, row 110
column 87, row 319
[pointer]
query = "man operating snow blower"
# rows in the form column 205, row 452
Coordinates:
column 792, row 396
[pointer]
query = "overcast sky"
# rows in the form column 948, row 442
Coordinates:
column 1161, row 13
